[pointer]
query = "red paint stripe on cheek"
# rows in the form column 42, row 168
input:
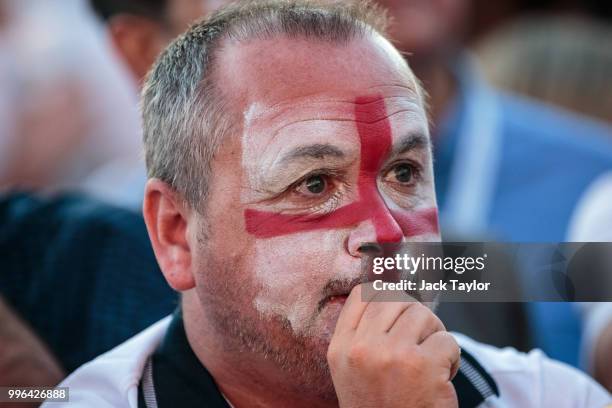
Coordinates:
column 265, row 224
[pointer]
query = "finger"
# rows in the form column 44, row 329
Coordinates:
column 380, row 315
column 455, row 367
column 444, row 347
column 416, row 324
column 353, row 309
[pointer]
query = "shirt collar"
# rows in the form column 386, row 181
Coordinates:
column 180, row 379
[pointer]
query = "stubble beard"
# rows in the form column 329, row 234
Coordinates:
column 227, row 302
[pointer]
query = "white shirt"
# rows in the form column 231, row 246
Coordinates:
column 524, row 380
column 592, row 222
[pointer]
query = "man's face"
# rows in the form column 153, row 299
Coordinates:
column 331, row 152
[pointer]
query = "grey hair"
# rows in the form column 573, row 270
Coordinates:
column 184, row 115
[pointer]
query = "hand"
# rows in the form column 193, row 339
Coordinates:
column 392, row 354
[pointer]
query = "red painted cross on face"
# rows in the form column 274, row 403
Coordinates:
column 391, row 225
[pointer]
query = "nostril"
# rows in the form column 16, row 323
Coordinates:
column 370, row 248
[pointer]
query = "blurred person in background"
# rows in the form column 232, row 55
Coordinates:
column 70, row 87
column 71, row 264
column 564, row 61
column 489, row 16
column 39, row 280
column 70, row 109
column 506, row 168
column 138, row 30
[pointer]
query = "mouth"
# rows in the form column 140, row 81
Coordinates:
column 337, row 299
column 336, row 292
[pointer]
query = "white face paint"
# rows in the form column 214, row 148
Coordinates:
column 288, row 108
column 249, row 116
column 292, row 287
column 292, row 270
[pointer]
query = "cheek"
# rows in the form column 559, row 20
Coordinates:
column 291, row 272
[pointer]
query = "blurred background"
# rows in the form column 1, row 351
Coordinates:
column 70, row 74
column 536, row 73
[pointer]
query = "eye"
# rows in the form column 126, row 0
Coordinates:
column 403, row 173
column 313, row 185
column 319, row 192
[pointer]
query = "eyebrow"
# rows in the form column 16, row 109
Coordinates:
column 321, row 151
column 410, row 142
column 316, row 151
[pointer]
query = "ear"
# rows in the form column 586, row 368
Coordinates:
column 167, row 218
column 138, row 40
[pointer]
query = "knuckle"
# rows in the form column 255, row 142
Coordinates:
column 387, row 359
column 417, row 365
column 449, row 340
column 357, row 354
column 437, row 322
column 333, row 354
column 420, row 308
column 418, row 359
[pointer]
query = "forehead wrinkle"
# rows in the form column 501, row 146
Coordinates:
column 350, row 100
column 271, row 141
column 411, row 86
column 414, row 139
column 386, row 116
column 316, row 98
column 316, row 151
column 347, row 112
column 339, row 119
column 272, row 112
column 331, row 119
column 349, row 97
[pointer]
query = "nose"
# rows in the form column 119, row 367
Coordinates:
column 370, row 234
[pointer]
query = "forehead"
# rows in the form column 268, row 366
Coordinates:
column 284, row 70
column 284, row 87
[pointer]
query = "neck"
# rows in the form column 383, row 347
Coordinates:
column 244, row 379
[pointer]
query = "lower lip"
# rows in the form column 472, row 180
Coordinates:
column 338, row 299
